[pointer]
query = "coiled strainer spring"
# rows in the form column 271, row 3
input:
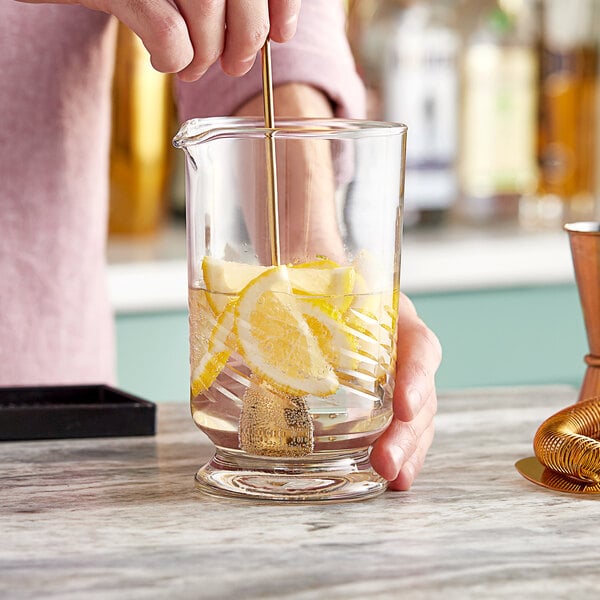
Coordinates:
column 568, row 442
column 568, row 445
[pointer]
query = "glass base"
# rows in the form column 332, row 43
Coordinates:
column 334, row 477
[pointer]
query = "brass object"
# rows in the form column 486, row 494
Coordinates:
column 567, row 446
column 533, row 470
column 584, row 238
column 140, row 153
column 269, row 115
column 567, row 450
column 568, row 442
column 273, row 423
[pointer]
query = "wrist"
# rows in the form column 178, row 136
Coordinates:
column 291, row 100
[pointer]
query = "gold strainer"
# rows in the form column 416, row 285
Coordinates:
column 567, row 450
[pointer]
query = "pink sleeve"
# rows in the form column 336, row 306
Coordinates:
column 318, row 55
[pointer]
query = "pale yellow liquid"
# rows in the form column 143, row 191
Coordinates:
column 353, row 417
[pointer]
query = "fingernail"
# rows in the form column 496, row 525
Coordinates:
column 191, row 76
column 397, row 456
column 405, row 478
column 288, row 29
column 414, row 399
column 241, row 67
column 248, row 60
column 409, row 472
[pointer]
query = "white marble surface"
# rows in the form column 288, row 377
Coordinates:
column 150, row 274
column 120, row 518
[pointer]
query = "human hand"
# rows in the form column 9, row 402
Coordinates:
column 399, row 453
column 187, row 36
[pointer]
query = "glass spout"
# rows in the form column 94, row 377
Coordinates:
column 199, row 131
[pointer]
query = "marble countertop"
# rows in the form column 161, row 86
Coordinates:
column 120, row 518
column 150, row 274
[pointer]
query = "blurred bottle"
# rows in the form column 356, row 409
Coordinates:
column 141, row 152
column 420, row 88
column 568, row 115
column 409, row 51
column 499, row 119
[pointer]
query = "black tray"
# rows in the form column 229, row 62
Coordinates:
column 53, row 412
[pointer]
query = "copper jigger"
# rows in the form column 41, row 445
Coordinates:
column 585, row 250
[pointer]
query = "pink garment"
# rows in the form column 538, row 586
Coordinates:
column 56, row 325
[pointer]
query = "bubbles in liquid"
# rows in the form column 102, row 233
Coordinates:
column 273, row 423
column 242, row 411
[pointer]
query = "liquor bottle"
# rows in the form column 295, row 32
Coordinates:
column 420, row 88
column 568, row 115
column 141, row 151
column 498, row 162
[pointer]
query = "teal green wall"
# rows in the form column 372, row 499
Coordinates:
column 529, row 335
column 507, row 337
column 152, row 355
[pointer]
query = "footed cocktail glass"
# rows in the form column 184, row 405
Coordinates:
column 293, row 301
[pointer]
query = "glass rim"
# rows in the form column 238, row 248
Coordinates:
column 200, row 130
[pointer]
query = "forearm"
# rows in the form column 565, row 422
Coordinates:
column 292, row 100
column 307, row 191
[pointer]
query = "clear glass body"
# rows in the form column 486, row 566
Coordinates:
column 293, row 319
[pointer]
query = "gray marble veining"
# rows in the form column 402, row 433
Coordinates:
column 120, row 518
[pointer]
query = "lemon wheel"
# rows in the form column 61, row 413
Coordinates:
column 275, row 339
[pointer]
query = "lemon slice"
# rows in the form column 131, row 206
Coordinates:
column 336, row 340
column 209, row 368
column 333, row 283
column 371, row 310
column 227, row 277
column 275, row 340
column 210, row 341
column 202, row 322
column 224, row 280
column 372, row 314
column 222, row 337
column 363, row 299
column 367, row 283
column 321, row 262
